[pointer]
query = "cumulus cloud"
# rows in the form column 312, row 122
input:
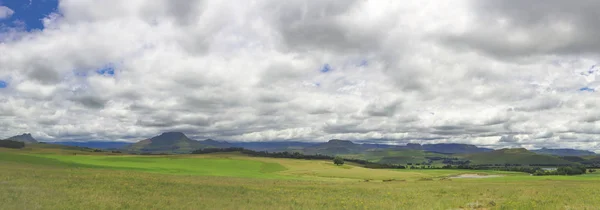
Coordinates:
column 481, row 72
column 5, row 12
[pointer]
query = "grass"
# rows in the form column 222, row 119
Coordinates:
column 395, row 156
column 520, row 156
column 45, row 180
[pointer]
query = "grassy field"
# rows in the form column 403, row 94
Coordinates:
column 397, row 156
column 57, row 179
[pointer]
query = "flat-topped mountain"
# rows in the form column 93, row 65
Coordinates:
column 25, row 138
column 335, row 147
column 563, row 152
column 173, row 142
column 216, row 144
column 454, row 148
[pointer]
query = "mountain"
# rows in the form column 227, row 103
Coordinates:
column 514, row 156
column 279, row 146
column 563, row 152
column 378, row 146
column 172, row 142
column 94, row 144
column 338, row 147
column 335, row 147
column 216, row 144
column 25, row 138
column 453, row 148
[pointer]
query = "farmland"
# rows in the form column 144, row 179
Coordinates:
column 59, row 179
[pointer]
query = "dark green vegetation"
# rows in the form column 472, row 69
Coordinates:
column 338, row 160
column 566, row 170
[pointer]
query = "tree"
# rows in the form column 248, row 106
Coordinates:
column 338, row 160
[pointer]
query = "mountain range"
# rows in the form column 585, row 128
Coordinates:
column 177, row 142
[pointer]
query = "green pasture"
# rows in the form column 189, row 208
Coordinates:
column 63, row 180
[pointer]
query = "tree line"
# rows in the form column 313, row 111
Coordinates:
column 535, row 169
column 296, row 155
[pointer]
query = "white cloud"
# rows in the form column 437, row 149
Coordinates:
column 5, row 12
column 406, row 71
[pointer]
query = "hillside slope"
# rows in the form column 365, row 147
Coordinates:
column 563, row 152
column 514, row 156
column 335, row 147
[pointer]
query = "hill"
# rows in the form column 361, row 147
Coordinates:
column 454, row 148
column 277, row 146
column 335, row 147
column 216, row 144
column 94, row 144
column 344, row 147
column 515, row 156
column 563, row 152
column 401, row 156
column 25, row 138
column 173, row 142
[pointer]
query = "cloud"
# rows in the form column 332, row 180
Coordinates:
column 395, row 72
column 516, row 29
column 5, row 12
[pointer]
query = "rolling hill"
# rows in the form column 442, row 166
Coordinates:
column 344, row 147
column 277, row 146
column 563, row 152
column 95, row 144
column 454, row 148
column 400, row 156
column 335, row 147
column 514, row 156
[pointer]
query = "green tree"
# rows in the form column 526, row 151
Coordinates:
column 338, row 160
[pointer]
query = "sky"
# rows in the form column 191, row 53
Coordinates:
column 494, row 73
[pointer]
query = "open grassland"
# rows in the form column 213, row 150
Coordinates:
column 42, row 180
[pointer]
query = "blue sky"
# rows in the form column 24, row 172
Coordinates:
column 29, row 12
column 121, row 69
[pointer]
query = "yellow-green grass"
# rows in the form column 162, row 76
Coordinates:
column 232, row 165
column 33, row 180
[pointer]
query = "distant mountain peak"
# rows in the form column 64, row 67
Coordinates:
column 339, row 141
column 174, row 142
column 513, row 150
column 26, row 138
column 172, row 134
